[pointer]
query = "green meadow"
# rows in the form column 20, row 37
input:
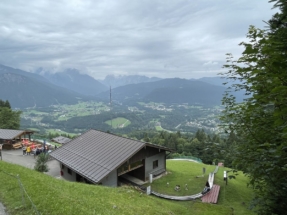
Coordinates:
column 235, row 194
column 183, row 172
column 118, row 122
column 158, row 128
column 54, row 196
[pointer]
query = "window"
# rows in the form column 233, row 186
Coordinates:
column 155, row 164
column 69, row 171
column 63, row 167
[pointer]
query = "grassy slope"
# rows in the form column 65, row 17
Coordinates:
column 235, row 194
column 53, row 196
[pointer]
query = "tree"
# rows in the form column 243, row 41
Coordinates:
column 260, row 121
column 5, row 104
column 41, row 163
column 9, row 119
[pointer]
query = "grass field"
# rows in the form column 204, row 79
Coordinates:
column 181, row 173
column 158, row 128
column 53, row 196
column 118, row 122
column 235, row 195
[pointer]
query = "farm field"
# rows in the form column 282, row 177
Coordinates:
column 158, row 128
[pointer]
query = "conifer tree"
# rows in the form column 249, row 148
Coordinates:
column 41, row 163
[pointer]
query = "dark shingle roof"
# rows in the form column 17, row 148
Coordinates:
column 9, row 134
column 95, row 154
column 61, row 139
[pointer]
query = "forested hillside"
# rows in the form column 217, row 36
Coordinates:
column 208, row 147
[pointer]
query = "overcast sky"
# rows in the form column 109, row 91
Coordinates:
column 161, row 38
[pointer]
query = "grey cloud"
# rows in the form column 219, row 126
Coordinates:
column 169, row 38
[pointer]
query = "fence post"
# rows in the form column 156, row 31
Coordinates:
column 21, row 189
column 1, row 151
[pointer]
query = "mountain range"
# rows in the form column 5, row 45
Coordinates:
column 73, row 80
column 25, row 89
column 41, row 89
column 173, row 90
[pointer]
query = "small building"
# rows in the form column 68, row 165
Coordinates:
column 61, row 140
column 101, row 158
column 12, row 138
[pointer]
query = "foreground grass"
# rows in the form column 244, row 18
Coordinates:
column 54, row 196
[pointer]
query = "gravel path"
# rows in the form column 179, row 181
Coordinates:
column 2, row 209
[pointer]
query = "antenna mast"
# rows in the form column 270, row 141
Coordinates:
column 111, row 105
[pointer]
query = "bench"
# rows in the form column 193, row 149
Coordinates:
column 17, row 146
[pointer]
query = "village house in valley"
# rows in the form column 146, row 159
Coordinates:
column 61, row 140
column 101, row 158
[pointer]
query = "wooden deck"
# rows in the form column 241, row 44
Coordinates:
column 212, row 195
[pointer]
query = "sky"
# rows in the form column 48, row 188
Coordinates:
column 154, row 38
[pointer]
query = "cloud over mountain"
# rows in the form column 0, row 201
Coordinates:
column 175, row 38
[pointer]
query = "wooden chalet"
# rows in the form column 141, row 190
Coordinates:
column 101, row 158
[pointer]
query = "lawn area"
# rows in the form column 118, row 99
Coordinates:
column 234, row 195
column 118, row 122
column 181, row 172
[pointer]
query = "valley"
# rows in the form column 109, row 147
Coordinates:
column 121, row 118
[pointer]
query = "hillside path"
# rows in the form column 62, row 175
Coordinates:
column 2, row 209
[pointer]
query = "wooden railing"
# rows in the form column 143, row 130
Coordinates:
column 129, row 169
